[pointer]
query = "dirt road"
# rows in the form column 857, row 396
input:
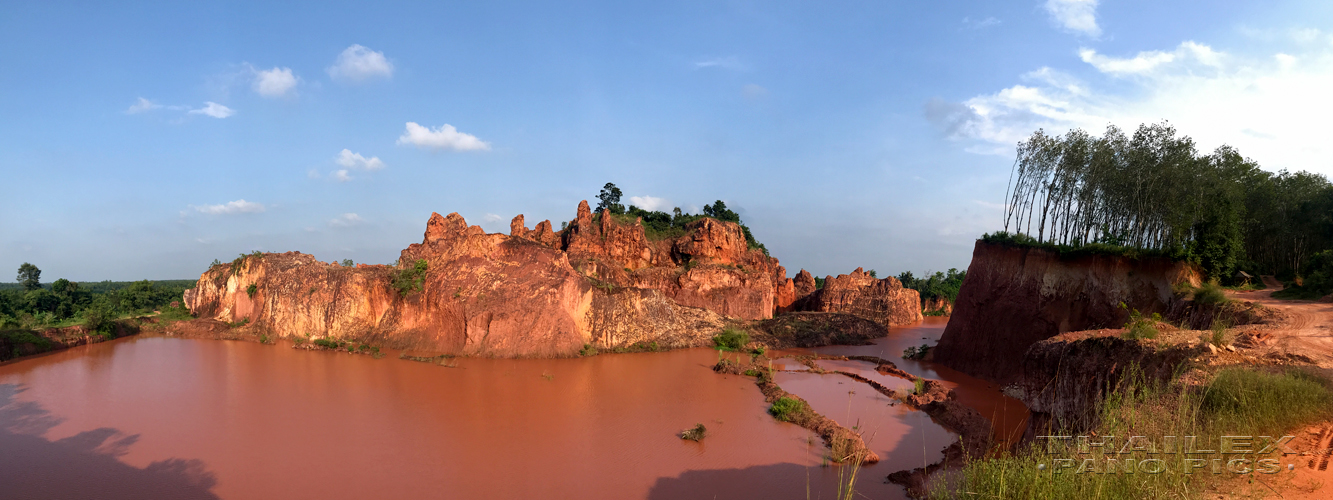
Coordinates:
column 1308, row 329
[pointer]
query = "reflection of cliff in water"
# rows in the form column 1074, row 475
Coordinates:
column 84, row 465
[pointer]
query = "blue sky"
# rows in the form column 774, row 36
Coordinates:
column 146, row 141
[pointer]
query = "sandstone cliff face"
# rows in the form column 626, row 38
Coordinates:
column 1014, row 297
column 529, row 293
column 883, row 301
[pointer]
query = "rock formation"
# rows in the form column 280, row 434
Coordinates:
column 1014, row 297
column 533, row 292
column 883, row 301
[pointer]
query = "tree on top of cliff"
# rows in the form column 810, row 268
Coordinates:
column 610, row 199
column 718, row 210
column 1153, row 191
column 30, row 276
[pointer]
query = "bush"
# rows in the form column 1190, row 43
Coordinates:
column 1140, row 326
column 1210, row 293
column 250, row 290
column 328, row 344
column 787, row 408
column 916, row 352
column 731, row 340
column 406, row 281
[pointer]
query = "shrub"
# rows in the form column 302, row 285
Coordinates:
column 1140, row 326
column 588, row 350
column 695, row 433
column 918, row 386
column 327, row 343
column 250, row 290
column 1218, row 335
column 1210, row 293
column 916, row 352
column 787, row 408
column 731, row 340
column 406, row 281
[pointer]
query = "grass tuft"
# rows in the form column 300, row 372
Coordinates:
column 731, row 340
column 787, row 408
column 696, row 433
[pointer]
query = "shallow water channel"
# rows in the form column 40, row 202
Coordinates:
column 154, row 417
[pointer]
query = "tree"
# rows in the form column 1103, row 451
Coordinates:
column 610, row 199
column 30, row 276
column 348, row 263
column 718, row 210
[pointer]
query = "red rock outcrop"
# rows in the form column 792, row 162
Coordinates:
column 883, row 301
column 1014, row 297
column 601, row 281
column 937, row 305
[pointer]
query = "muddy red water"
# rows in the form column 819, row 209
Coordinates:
column 172, row 418
column 1008, row 415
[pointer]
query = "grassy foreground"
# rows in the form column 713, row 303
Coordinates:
column 1236, row 402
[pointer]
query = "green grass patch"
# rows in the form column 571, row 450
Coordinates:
column 731, row 340
column 1140, row 326
column 787, row 408
column 1236, row 402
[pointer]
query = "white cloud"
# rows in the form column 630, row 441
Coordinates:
column 347, row 219
column 729, row 63
column 445, row 137
column 142, row 105
column 1271, row 108
column 1143, row 63
column 276, row 82
column 214, row 110
column 340, row 176
column 1076, row 16
column 354, row 161
column 650, row 203
column 491, row 218
column 357, row 64
column 231, row 207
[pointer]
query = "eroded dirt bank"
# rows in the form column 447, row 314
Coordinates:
column 1014, row 297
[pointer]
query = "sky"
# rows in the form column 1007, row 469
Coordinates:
column 144, row 141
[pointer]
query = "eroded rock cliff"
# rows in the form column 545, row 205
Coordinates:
column 1014, row 297
column 883, row 301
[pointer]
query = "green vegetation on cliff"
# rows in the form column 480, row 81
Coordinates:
column 1153, row 192
column 936, row 286
column 658, row 225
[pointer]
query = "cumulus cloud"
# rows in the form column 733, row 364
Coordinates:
column 231, row 207
column 444, row 137
column 276, row 82
column 142, row 105
column 1075, row 16
column 357, row 63
column 1270, row 107
column 340, row 175
column 345, row 220
column 650, row 203
column 355, row 161
column 214, row 110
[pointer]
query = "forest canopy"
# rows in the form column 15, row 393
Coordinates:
column 1154, row 191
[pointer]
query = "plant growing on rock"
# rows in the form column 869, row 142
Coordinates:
column 1140, row 326
column 409, row 280
column 1210, row 293
column 250, row 290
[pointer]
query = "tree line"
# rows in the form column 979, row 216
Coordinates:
column 30, row 304
column 1154, row 191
